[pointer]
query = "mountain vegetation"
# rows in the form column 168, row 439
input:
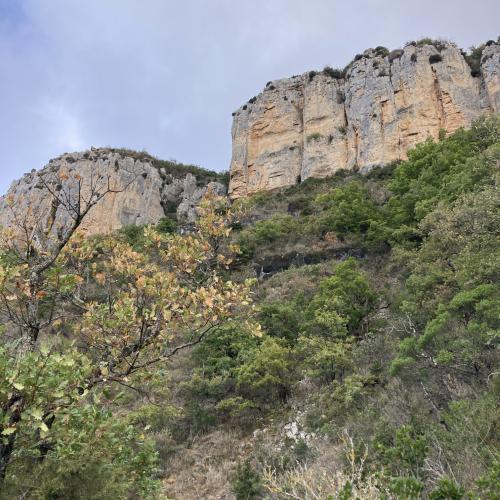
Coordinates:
column 336, row 339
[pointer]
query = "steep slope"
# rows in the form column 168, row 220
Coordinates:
column 147, row 189
column 370, row 114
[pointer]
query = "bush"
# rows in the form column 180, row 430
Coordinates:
column 311, row 75
column 333, row 73
column 473, row 59
column 381, row 51
column 438, row 44
column 246, row 483
column 281, row 320
column 343, row 300
column 166, row 225
column 435, row 58
column 315, row 136
column 280, row 227
column 348, row 209
column 447, row 489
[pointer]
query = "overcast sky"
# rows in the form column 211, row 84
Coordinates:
column 165, row 75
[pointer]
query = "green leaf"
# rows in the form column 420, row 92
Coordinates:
column 36, row 413
column 8, row 431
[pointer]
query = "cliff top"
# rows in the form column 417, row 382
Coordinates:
column 474, row 56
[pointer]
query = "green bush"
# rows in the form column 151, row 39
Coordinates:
column 333, row 73
column 263, row 233
column 246, row 483
column 342, row 302
column 381, row 51
column 315, row 136
column 348, row 209
column 473, row 59
column 447, row 489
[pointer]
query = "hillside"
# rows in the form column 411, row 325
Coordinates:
column 323, row 322
column 366, row 367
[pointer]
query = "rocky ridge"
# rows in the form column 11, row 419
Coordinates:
column 147, row 189
column 370, row 114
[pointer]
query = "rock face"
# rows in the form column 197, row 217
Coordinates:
column 317, row 123
column 146, row 191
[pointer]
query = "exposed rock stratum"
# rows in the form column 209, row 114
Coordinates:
column 145, row 190
column 314, row 124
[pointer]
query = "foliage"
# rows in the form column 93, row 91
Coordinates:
column 315, row 136
column 246, row 482
column 343, row 301
column 381, row 51
column 473, row 58
column 133, row 311
column 395, row 348
column 268, row 231
column 335, row 73
column 348, row 209
column 443, row 171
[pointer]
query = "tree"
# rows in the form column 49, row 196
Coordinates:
column 123, row 311
column 348, row 209
column 343, row 301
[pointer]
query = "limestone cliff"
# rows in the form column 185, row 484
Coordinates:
column 370, row 114
column 146, row 189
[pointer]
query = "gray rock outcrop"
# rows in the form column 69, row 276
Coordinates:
column 314, row 124
column 145, row 191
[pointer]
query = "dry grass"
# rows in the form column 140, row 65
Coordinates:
column 324, row 478
column 314, row 483
column 203, row 469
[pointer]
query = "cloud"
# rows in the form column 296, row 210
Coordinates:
column 165, row 76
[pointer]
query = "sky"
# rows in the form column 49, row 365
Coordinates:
column 165, row 76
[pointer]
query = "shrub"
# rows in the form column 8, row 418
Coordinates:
column 343, row 300
column 342, row 129
column 333, row 73
column 473, row 59
column 314, row 136
column 266, row 374
column 381, row 51
column 348, row 209
column 167, row 225
column 439, row 44
column 281, row 320
column 311, row 75
column 435, row 58
column 246, row 483
column 281, row 227
column 447, row 489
